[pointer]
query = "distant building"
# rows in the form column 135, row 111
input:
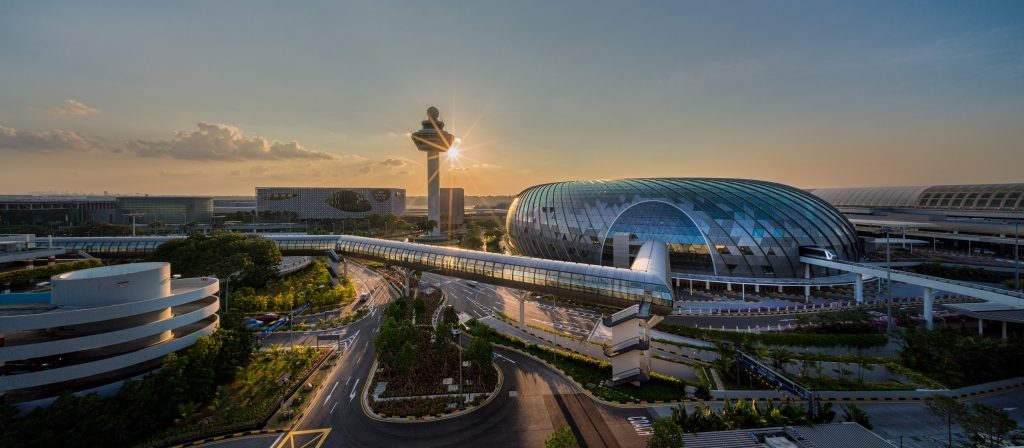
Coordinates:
column 977, row 218
column 171, row 210
column 330, row 203
column 232, row 204
column 57, row 210
column 97, row 328
column 453, row 209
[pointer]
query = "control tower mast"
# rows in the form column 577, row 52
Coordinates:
column 433, row 140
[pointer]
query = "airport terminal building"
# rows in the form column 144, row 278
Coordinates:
column 715, row 228
column 331, row 203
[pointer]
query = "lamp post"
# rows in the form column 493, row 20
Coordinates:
column 1016, row 255
column 888, row 282
column 227, row 288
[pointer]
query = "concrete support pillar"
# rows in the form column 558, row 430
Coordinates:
column 728, row 287
column 707, row 285
column 691, row 286
column 858, row 289
column 807, row 288
column 780, row 289
column 929, row 298
column 51, row 260
column 620, row 250
column 743, row 292
column 1004, row 329
column 522, row 313
column 757, row 288
column 981, row 327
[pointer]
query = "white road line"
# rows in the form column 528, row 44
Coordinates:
column 353, row 394
column 329, row 393
column 277, row 440
column 332, row 407
column 347, row 380
column 360, row 358
column 506, row 359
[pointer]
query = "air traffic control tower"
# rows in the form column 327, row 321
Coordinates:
column 433, row 139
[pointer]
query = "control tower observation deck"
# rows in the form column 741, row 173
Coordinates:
column 433, row 139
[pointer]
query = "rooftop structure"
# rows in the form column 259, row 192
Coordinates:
column 97, row 328
column 714, row 227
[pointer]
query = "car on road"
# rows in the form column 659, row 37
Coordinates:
column 471, row 284
column 364, row 297
column 254, row 324
column 268, row 318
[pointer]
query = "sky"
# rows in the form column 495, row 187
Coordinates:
column 221, row 97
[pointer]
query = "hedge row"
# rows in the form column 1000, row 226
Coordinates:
column 27, row 275
column 865, row 340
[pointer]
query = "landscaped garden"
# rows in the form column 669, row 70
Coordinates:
column 312, row 284
column 419, row 365
column 256, row 391
column 589, row 372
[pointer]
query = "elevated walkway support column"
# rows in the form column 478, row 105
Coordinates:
column 929, row 299
column 807, row 288
column 522, row 312
column 630, row 348
column 858, row 289
column 405, row 282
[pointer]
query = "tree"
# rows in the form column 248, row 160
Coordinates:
column 852, row 413
column 449, row 316
column 480, row 353
column 987, row 426
column 948, row 410
column 667, row 434
column 780, row 357
column 404, row 359
column 561, row 438
column 419, row 307
column 221, row 254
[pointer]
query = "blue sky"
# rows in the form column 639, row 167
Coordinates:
column 207, row 97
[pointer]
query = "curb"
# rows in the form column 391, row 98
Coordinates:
column 258, row 432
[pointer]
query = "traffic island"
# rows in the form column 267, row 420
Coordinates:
column 422, row 408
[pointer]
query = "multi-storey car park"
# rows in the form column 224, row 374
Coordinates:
column 98, row 327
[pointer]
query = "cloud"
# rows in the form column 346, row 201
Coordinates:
column 46, row 141
column 392, row 162
column 223, row 143
column 72, row 108
column 258, row 170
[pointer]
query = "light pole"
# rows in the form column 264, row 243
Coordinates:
column 1016, row 255
column 227, row 288
column 888, row 283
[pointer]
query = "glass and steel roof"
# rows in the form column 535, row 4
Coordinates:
column 1001, row 197
column 721, row 227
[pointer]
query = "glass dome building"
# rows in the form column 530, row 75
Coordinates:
column 719, row 227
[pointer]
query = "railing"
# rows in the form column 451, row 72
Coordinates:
column 625, row 313
column 940, row 279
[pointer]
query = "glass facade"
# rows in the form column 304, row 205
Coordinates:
column 724, row 227
column 166, row 209
column 331, row 203
column 621, row 285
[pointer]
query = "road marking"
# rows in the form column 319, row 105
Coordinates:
column 642, row 425
column 506, row 359
column 276, row 441
column 329, row 394
column 353, row 394
column 360, row 358
column 332, row 407
column 347, row 380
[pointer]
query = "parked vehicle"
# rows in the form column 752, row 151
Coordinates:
column 268, row 318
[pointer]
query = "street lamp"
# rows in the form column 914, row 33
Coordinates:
column 227, row 287
column 1016, row 255
column 888, row 282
